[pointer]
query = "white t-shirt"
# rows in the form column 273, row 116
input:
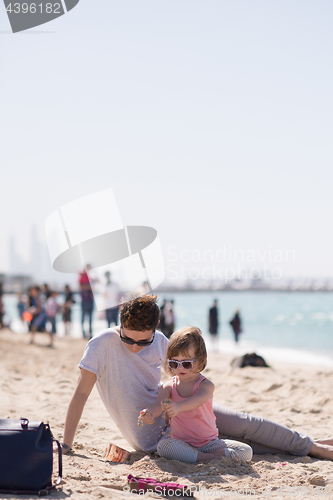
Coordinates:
column 111, row 295
column 128, row 382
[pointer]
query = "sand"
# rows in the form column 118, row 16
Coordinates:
column 37, row 383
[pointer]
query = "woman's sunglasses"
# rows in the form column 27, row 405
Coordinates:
column 129, row 341
column 187, row 365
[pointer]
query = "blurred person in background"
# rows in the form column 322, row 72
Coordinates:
column 213, row 321
column 21, row 306
column 67, row 310
column 236, row 325
column 45, row 292
column 51, row 309
column 38, row 321
column 2, row 309
column 162, row 318
column 111, row 295
column 169, row 319
column 87, row 300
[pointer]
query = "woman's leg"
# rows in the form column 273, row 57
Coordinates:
column 263, row 435
column 325, row 441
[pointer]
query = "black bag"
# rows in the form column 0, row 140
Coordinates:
column 251, row 359
column 26, row 457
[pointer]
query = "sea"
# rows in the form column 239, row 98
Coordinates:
column 291, row 327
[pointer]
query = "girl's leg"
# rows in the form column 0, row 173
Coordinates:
column 175, row 449
column 229, row 449
column 263, row 435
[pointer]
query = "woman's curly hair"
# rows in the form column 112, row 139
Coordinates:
column 140, row 314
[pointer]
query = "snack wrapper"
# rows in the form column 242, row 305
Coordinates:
column 116, row 454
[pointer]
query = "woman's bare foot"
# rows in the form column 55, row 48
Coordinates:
column 322, row 450
column 325, row 441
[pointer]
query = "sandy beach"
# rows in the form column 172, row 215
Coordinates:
column 37, row 383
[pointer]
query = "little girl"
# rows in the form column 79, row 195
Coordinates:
column 194, row 435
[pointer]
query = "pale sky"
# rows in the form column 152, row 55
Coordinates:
column 211, row 121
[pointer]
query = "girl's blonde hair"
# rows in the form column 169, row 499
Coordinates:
column 180, row 343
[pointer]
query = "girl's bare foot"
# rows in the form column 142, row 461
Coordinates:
column 220, row 452
column 203, row 457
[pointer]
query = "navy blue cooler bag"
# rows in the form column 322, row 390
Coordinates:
column 26, row 457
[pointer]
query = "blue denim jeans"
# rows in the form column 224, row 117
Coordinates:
column 87, row 307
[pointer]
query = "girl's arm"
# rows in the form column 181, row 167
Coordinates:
column 202, row 395
column 148, row 415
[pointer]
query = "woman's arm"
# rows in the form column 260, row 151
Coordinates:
column 148, row 415
column 202, row 395
column 85, row 383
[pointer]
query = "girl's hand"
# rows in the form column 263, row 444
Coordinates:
column 171, row 409
column 146, row 417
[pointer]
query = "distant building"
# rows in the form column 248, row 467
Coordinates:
column 12, row 283
column 16, row 264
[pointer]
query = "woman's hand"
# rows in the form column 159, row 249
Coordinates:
column 146, row 417
column 170, row 409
